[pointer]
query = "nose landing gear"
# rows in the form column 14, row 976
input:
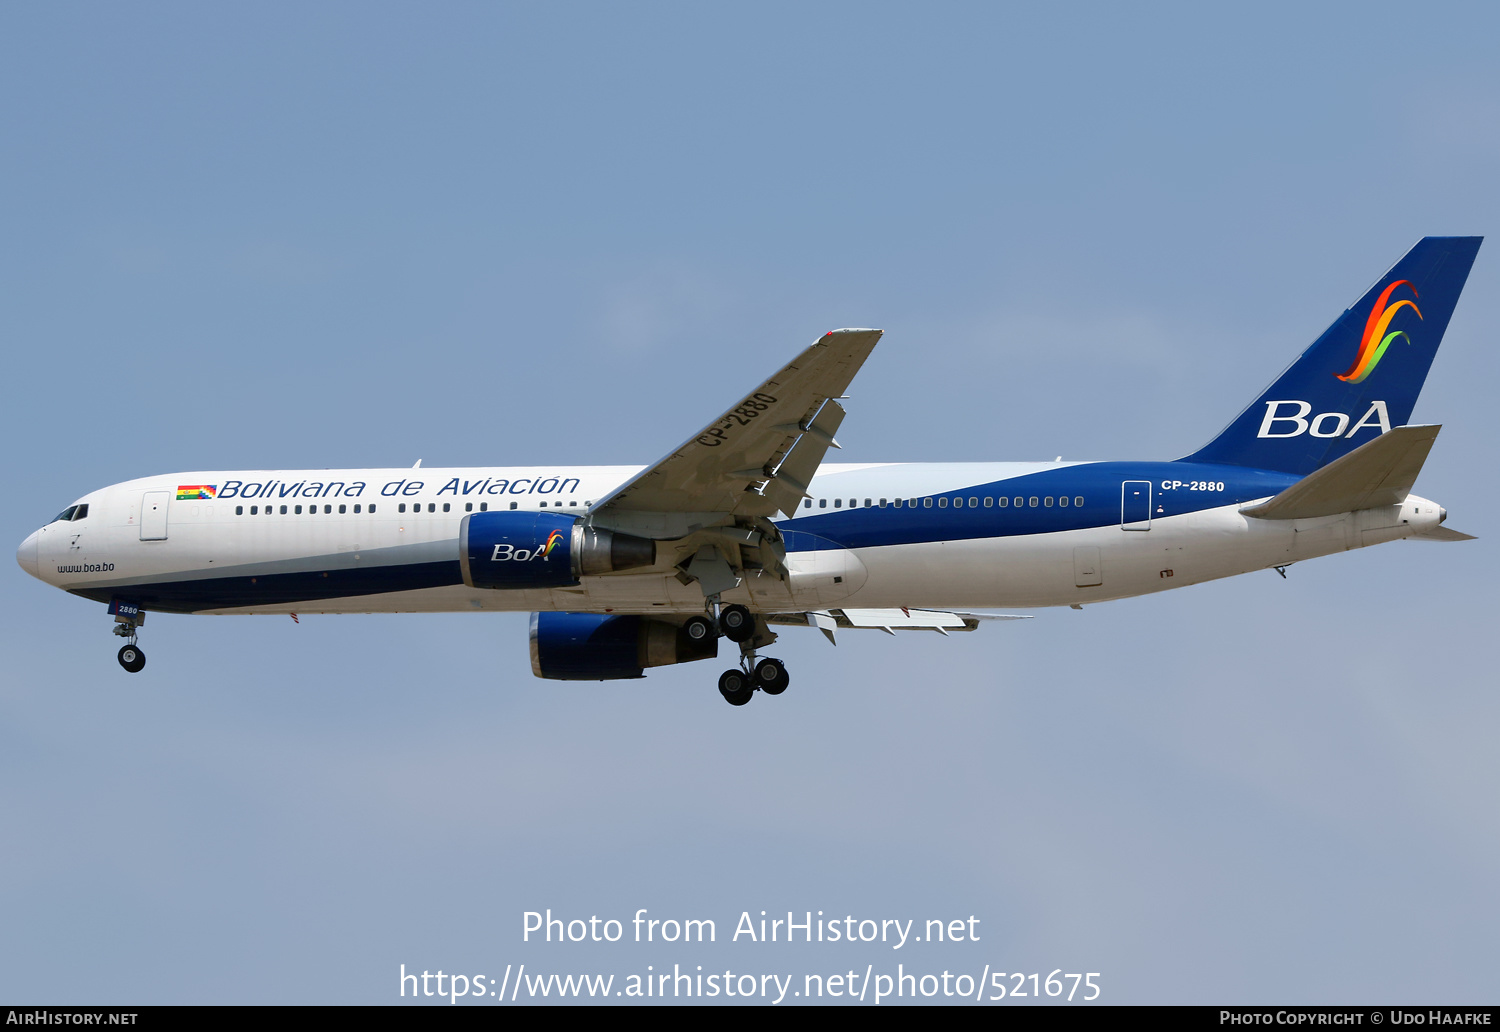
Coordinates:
column 128, row 619
column 131, row 658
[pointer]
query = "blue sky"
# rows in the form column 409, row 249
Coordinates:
column 364, row 234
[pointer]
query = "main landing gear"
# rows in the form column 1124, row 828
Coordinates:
column 740, row 626
column 130, row 655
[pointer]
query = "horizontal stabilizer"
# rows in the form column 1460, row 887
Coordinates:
column 1443, row 534
column 1378, row 472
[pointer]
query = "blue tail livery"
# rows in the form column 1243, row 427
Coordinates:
column 1362, row 376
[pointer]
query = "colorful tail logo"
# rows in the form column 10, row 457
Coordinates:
column 552, row 540
column 1380, row 319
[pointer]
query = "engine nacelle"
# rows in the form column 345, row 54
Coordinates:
column 542, row 550
column 598, row 647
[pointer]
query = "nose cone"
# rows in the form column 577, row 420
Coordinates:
column 26, row 554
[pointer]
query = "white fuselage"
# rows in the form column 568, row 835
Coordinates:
column 1015, row 549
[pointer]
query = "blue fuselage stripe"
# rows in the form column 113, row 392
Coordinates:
column 1099, row 484
column 1177, row 488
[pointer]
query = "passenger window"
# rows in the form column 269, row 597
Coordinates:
column 343, row 509
column 927, row 503
column 1003, row 501
column 512, row 505
column 484, row 506
column 1033, row 501
column 254, row 510
column 867, row 503
column 446, row 506
column 432, row 507
column 1078, row 499
column 988, row 501
column 356, row 509
column 1047, row 501
column 1020, row 502
column 807, row 503
column 838, row 503
column 468, row 506
column 822, row 503
column 297, row 510
column 973, row 503
column 573, row 505
column 401, row 507
column 327, row 510
column 853, row 502
column 1063, row 501
column 943, row 502
column 882, row 503
column 283, row 510
column 239, row 510
column 372, row 507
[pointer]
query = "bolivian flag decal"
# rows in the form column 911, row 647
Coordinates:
column 197, row 492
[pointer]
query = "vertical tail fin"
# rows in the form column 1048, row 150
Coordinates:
column 1362, row 376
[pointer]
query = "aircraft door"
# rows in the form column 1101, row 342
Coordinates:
column 1135, row 505
column 154, row 515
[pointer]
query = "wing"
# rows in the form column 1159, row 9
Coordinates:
column 888, row 620
column 757, row 458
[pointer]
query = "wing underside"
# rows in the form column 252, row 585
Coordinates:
column 888, row 620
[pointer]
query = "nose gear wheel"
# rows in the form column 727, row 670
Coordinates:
column 131, row 658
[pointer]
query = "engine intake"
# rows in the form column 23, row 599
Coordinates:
column 543, row 550
column 597, row 647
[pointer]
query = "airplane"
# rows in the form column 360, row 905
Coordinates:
column 744, row 528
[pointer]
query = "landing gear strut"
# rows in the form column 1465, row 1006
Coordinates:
column 128, row 620
column 743, row 627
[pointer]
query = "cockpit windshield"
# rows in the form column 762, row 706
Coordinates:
column 72, row 512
